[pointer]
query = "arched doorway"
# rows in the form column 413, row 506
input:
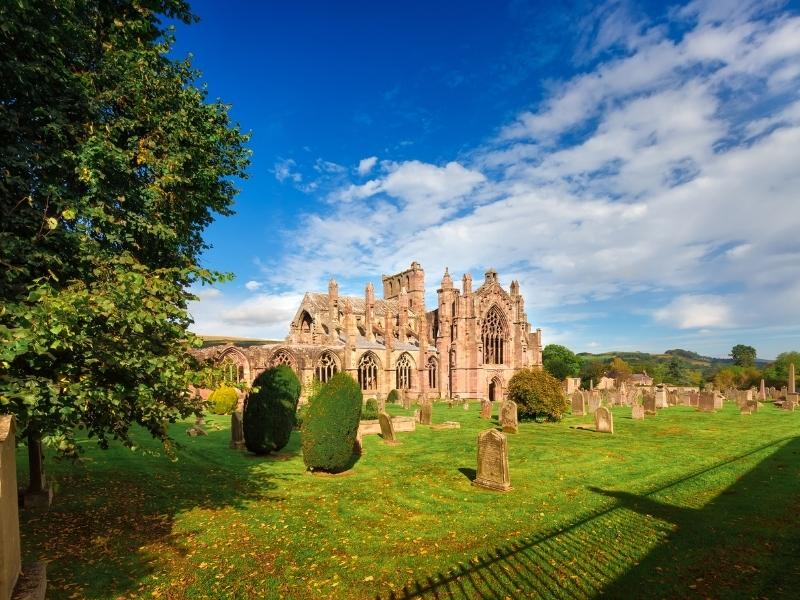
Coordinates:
column 495, row 389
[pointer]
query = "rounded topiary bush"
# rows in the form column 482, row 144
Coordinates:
column 538, row 395
column 331, row 424
column 269, row 412
column 393, row 397
column 370, row 410
column 223, row 400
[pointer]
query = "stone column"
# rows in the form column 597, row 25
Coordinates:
column 369, row 311
column 791, row 388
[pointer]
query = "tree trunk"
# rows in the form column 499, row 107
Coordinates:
column 35, row 463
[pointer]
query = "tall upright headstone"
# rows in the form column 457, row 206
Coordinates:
column 486, row 409
column 578, row 404
column 637, row 412
column 492, row 470
column 762, row 391
column 603, row 420
column 426, row 413
column 508, row 417
column 707, row 401
column 649, row 403
column 387, row 428
column 237, row 430
column 791, row 382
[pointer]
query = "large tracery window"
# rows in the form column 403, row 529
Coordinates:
column 494, row 337
column 404, row 372
column 282, row 357
column 232, row 372
column 432, row 373
column 368, row 372
column 326, row 367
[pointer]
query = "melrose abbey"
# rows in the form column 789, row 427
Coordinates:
column 468, row 346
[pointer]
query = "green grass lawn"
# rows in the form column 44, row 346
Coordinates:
column 681, row 504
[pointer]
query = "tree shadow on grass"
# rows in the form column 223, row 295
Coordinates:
column 112, row 522
column 744, row 543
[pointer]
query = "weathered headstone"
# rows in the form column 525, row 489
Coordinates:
column 649, row 403
column 661, row 397
column 387, row 428
column 789, row 405
column 508, row 417
column 493, row 461
column 465, row 405
column 237, row 430
column 578, row 405
column 603, row 420
column 486, row 409
column 426, row 413
column 28, row 581
column 762, row 391
column 791, row 380
column 637, row 412
column 594, row 401
column 706, row 401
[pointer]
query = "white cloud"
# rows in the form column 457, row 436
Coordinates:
column 696, row 311
column 365, row 165
column 284, row 170
column 253, row 285
column 263, row 316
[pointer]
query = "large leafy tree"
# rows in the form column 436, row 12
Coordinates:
column 560, row 361
column 743, row 356
column 112, row 164
column 777, row 373
column 620, row 370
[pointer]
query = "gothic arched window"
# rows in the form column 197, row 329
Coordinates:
column 326, row 367
column 368, row 372
column 495, row 335
column 404, row 369
column 231, row 371
column 282, row 357
column 432, row 373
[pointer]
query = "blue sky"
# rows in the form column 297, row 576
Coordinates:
column 635, row 166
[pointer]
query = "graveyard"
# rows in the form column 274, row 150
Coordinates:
column 683, row 502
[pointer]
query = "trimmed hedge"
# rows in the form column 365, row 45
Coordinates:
column 331, row 424
column 538, row 395
column 223, row 400
column 370, row 410
column 393, row 397
column 269, row 413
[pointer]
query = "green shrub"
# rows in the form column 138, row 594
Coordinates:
column 331, row 424
column 393, row 397
column 223, row 400
column 538, row 395
column 370, row 411
column 269, row 413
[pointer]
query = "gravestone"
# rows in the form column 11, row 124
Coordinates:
column 661, row 397
column 426, row 414
column 706, row 401
column 594, row 401
column 791, row 380
column 493, row 461
column 237, row 430
column 746, row 409
column 405, row 400
column 578, row 405
column 417, row 415
column 637, row 412
column 387, row 428
column 508, row 417
column 789, row 405
column 381, row 405
column 603, row 420
column 649, row 403
column 719, row 400
column 762, row 391
column 486, row 409
column 16, row 580
column 465, row 405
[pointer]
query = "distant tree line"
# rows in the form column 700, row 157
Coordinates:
column 676, row 367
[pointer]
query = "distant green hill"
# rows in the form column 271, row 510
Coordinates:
column 692, row 358
column 221, row 340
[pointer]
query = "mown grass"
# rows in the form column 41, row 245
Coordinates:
column 681, row 504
